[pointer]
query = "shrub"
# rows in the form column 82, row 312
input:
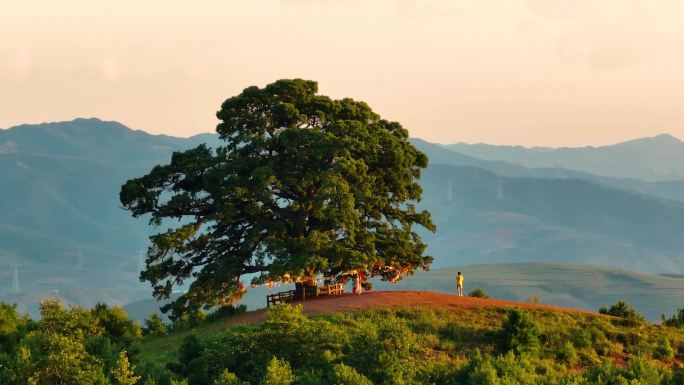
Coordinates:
column 278, row 372
column 124, row 372
column 677, row 319
column 478, row 293
column 520, row 333
column 346, row 375
column 483, row 373
column 116, row 323
column 188, row 320
column 226, row 311
column 663, row 350
column 228, row 378
column 567, row 353
column 622, row 309
column 154, row 326
column 12, row 326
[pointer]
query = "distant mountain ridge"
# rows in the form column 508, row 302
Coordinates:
column 657, row 158
column 61, row 220
column 439, row 154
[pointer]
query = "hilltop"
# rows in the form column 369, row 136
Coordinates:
column 390, row 299
column 581, row 287
column 416, row 338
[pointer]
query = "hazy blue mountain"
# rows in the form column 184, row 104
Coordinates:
column 651, row 159
column 59, row 213
column 487, row 218
column 439, row 154
column 60, row 217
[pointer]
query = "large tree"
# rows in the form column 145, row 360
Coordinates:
column 302, row 185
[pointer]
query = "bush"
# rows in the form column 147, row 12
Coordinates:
column 278, row 372
column 346, row 375
column 188, row 320
column 567, row 353
column 226, row 311
column 117, row 325
column 228, row 378
column 520, row 333
column 478, row 293
column 12, row 327
column 154, row 326
column 663, row 350
column 676, row 321
column 622, row 309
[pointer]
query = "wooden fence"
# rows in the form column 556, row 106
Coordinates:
column 304, row 293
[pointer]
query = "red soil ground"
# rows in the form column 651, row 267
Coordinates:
column 347, row 302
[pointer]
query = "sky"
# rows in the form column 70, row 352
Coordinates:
column 528, row 72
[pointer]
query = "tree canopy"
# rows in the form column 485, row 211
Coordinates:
column 302, row 185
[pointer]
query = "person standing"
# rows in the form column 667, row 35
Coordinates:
column 459, row 284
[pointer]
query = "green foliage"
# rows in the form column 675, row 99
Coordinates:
column 225, row 312
column 228, row 378
column 676, row 321
column 411, row 346
column 154, row 326
column 123, row 373
column 638, row 372
column 303, row 184
column 567, row 353
column 663, row 350
column 346, row 375
column 622, row 309
column 57, row 346
column 520, row 333
column 12, row 327
column 188, row 320
column 478, row 293
column 278, row 372
column 71, row 346
column 117, row 326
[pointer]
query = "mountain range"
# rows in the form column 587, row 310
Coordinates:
column 651, row 159
column 61, row 222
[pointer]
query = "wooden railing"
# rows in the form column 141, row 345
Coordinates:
column 331, row 289
column 304, row 293
column 282, row 297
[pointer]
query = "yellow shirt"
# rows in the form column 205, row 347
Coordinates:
column 459, row 280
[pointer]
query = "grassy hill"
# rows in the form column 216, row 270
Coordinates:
column 417, row 344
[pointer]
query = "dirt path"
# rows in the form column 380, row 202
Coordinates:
column 346, row 302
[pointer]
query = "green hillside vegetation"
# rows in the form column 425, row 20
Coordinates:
column 421, row 346
column 417, row 345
